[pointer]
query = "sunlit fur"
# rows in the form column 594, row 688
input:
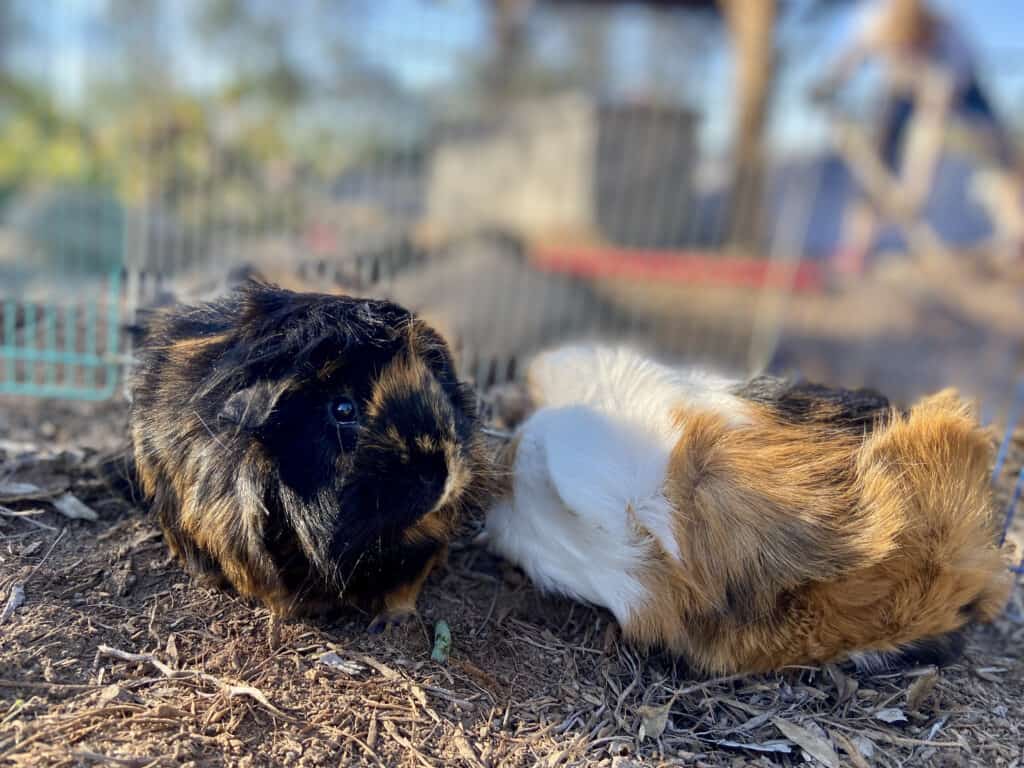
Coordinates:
column 752, row 525
column 254, row 483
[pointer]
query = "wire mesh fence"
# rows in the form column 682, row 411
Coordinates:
column 573, row 186
column 504, row 207
column 60, row 328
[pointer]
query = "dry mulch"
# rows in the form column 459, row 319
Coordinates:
column 114, row 658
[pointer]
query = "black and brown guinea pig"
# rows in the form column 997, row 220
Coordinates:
column 307, row 450
column 751, row 525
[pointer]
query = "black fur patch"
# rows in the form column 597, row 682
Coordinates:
column 239, row 391
column 804, row 402
column 939, row 651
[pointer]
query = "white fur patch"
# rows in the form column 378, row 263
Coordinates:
column 581, row 546
column 587, row 501
column 627, row 385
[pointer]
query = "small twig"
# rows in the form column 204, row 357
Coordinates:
column 129, row 762
column 47, row 555
column 892, row 738
column 145, row 658
column 27, row 515
column 362, row 745
column 490, row 612
column 46, row 686
column 407, row 745
column 230, row 690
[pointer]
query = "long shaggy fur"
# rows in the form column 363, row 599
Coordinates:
column 806, row 524
column 257, row 486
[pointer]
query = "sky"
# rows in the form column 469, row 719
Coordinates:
column 424, row 43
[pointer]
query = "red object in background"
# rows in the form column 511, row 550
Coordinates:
column 691, row 267
column 321, row 239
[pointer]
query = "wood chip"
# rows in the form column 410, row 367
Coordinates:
column 109, row 694
column 653, row 720
column 466, row 750
column 891, row 715
column 334, row 661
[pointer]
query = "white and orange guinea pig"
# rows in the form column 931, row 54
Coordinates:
column 753, row 525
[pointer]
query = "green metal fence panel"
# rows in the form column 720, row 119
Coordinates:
column 61, row 293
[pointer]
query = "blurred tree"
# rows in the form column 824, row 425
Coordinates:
column 508, row 28
column 751, row 28
column 264, row 63
column 10, row 24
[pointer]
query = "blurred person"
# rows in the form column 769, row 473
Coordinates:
column 929, row 72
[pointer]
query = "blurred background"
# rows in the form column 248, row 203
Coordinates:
column 818, row 187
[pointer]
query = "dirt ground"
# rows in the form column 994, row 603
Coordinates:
column 114, row 658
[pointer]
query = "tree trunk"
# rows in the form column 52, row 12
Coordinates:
column 508, row 23
column 751, row 25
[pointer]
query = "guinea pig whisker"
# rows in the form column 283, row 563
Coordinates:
column 207, row 428
column 498, row 434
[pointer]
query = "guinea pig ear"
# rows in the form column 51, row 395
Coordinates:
column 250, row 408
column 263, row 301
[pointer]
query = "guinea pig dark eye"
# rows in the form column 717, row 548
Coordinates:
column 343, row 410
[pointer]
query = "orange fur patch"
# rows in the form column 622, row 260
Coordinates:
column 802, row 544
column 403, row 599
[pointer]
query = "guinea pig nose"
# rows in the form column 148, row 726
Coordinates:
column 432, row 471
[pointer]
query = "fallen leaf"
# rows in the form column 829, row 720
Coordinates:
column 14, row 601
column 755, row 722
column 920, row 690
column 653, row 721
column 814, row 745
column 851, row 749
column 11, row 491
column 172, row 649
column 864, row 745
column 846, row 686
column 891, row 715
column 70, row 506
column 936, row 727
column 782, row 747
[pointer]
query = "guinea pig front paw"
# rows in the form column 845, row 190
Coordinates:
column 388, row 618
